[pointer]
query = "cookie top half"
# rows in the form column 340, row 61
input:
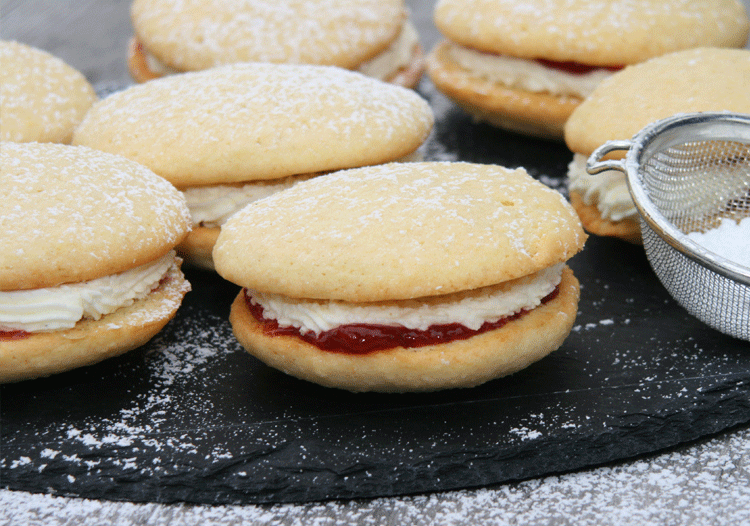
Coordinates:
column 41, row 97
column 73, row 214
column 594, row 32
column 702, row 79
column 191, row 35
column 255, row 121
column 398, row 231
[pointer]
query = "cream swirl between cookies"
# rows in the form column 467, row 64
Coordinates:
column 396, row 56
column 61, row 307
column 470, row 309
column 528, row 75
column 607, row 190
column 211, row 206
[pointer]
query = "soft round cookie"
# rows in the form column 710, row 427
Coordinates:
column 372, row 36
column 233, row 134
column 525, row 66
column 329, row 237
column 42, row 99
column 87, row 269
column 701, row 79
column 414, row 243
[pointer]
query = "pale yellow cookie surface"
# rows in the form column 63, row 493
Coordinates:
column 91, row 341
column 42, row 98
column 596, row 32
column 198, row 34
column 73, row 214
column 461, row 363
column 257, row 121
column 398, row 231
column 703, row 79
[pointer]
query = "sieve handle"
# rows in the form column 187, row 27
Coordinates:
column 595, row 165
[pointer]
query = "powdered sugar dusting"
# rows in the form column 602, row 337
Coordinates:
column 41, row 97
column 730, row 240
column 468, row 216
column 68, row 209
column 122, row 439
column 190, row 35
column 583, row 31
column 257, row 121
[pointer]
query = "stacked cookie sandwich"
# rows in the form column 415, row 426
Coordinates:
column 525, row 66
column 703, row 79
column 233, row 134
column 404, row 276
column 374, row 37
column 88, row 268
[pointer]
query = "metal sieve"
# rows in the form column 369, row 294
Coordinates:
column 685, row 173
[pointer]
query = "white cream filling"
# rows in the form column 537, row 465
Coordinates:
column 607, row 190
column 61, row 307
column 527, row 75
column 382, row 67
column 398, row 55
column 212, row 206
column 157, row 66
column 471, row 309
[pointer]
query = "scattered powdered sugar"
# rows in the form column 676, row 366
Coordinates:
column 730, row 240
column 591, row 325
column 121, row 440
column 701, row 484
column 525, row 433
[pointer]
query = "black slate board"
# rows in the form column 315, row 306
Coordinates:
column 192, row 417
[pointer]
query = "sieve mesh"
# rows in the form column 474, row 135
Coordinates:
column 685, row 174
column 695, row 184
column 717, row 301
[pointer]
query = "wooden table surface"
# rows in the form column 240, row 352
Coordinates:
column 703, row 483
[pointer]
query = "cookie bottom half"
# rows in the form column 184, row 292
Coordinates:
column 461, row 363
column 197, row 247
column 628, row 229
column 91, row 341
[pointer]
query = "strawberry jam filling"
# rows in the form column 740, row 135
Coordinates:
column 574, row 68
column 363, row 338
column 13, row 335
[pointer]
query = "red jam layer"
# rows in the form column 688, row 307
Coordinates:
column 574, row 68
column 13, row 335
column 363, row 338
